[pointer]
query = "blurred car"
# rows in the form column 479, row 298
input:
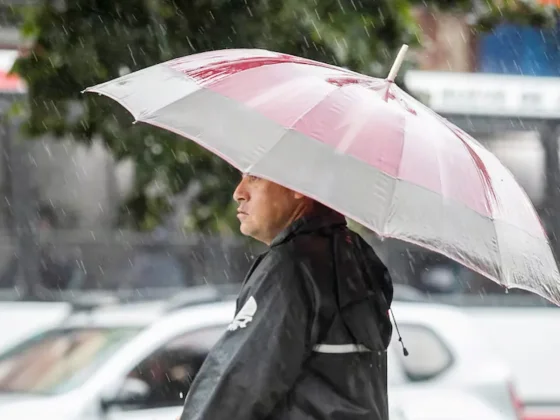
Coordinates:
column 20, row 320
column 446, row 349
column 528, row 341
column 411, row 403
column 136, row 361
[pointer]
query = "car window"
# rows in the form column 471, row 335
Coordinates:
column 59, row 360
column 167, row 374
column 428, row 355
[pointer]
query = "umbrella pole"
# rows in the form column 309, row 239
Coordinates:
column 394, row 70
column 397, row 64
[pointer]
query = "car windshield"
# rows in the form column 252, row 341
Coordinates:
column 59, row 360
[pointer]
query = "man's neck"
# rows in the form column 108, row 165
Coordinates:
column 300, row 211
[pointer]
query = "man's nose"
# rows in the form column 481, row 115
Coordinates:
column 240, row 193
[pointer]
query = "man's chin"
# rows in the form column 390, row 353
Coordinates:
column 247, row 231
column 244, row 229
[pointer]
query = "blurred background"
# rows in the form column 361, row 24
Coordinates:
column 93, row 207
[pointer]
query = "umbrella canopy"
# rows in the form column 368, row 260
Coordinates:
column 359, row 145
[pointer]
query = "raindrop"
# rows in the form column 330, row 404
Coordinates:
column 124, row 70
column 131, row 55
column 182, row 157
column 149, row 141
column 157, row 149
column 341, row 6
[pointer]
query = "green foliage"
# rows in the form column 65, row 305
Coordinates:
column 518, row 12
column 84, row 42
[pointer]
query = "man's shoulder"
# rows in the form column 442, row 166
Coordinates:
column 281, row 259
column 307, row 258
column 280, row 275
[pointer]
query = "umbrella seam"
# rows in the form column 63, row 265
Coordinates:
column 500, row 256
column 397, row 179
column 291, row 127
column 445, row 122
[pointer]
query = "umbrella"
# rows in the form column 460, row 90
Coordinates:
column 359, row 145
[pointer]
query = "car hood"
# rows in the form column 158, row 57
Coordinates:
column 434, row 403
column 527, row 340
column 22, row 406
column 20, row 320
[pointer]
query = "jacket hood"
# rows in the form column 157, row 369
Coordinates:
column 363, row 285
column 321, row 220
column 364, row 290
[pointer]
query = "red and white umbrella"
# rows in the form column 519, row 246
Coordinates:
column 355, row 143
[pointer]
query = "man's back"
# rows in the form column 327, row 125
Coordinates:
column 310, row 335
column 345, row 376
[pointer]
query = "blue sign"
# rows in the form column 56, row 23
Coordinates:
column 513, row 49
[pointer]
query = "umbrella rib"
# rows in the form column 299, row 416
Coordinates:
column 394, row 188
column 499, row 256
column 446, row 123
column 500, row 268
column 485, row 181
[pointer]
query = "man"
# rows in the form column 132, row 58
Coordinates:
column 311, row 329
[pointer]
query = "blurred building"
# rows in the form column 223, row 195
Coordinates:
column 84, row 184
column 449, row 44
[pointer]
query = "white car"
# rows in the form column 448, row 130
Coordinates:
column 411, row 403
column 446, row 349
column 20, row 320
column 132, row 361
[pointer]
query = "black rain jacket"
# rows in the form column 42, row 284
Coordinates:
column 309, row 339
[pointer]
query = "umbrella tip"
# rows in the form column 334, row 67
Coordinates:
column 397, row 64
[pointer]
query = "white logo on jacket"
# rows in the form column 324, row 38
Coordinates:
column 245, row 315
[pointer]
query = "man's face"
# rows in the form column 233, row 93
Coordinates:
column 265, row 208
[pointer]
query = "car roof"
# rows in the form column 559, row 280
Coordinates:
column 441, row 403
column 142, row 314
column 438, row 314
column 201, row 308
column 119, row 315
column 145, row 313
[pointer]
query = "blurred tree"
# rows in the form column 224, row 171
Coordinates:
column 84, row 42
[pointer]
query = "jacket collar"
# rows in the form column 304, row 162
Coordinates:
column 313, row 222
